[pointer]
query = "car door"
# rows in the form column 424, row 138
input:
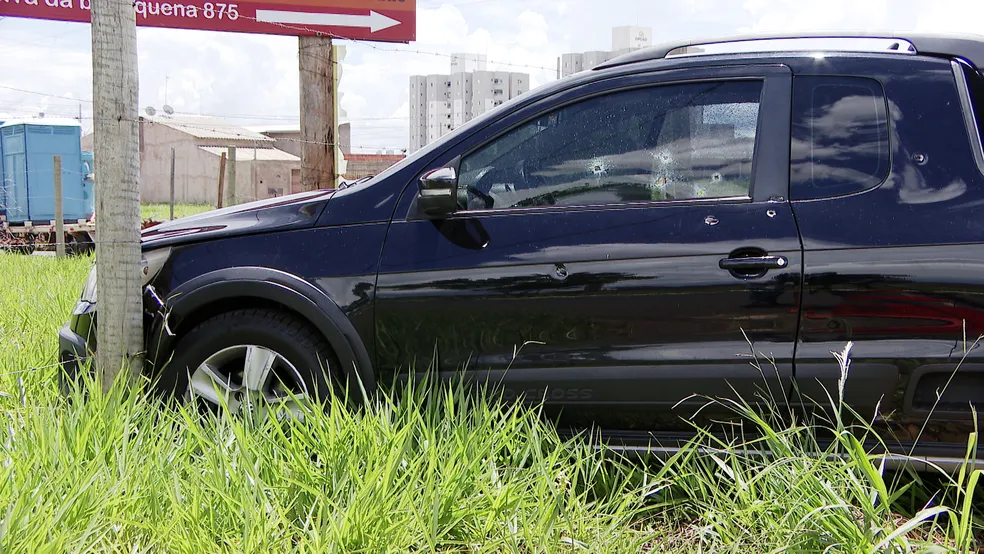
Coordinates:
column 615, row 252
column 889, row 200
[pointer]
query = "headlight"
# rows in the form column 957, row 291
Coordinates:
column 89, row 290
column 150, row 265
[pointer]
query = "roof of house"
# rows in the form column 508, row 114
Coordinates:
column 282, row 128
column 275, row 129
column 389, row 158
column 249, row 154
column 205, row 127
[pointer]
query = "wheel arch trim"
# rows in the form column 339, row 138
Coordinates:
column 266, row 284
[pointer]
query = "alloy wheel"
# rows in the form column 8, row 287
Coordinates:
column 248, row 379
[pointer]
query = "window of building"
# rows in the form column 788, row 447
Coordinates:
column 673, row 142
column 840, row 135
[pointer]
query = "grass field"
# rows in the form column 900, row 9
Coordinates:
column 435, row 472
column 161, row 212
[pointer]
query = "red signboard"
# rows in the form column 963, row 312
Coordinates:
column 379, row 20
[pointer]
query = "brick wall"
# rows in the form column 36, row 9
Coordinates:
column 364, row 165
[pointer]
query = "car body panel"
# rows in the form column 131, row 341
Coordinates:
column 643, row 323
column 321, row 258
column 297, row 211
column 240, row 285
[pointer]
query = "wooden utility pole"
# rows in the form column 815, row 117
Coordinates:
column 59, row 210
column 316, row 61
column 222, row 164
column 253, row 193
column 231, row 184
column 114, row 94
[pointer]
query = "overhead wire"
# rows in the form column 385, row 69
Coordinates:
column 302, row 51
column 285, row 118
column 232, row 134
column 24, row 91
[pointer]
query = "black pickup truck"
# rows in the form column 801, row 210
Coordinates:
column 619, row 240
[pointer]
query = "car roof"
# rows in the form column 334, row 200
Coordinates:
column 967, row 47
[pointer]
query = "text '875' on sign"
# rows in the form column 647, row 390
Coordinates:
column 378, row 20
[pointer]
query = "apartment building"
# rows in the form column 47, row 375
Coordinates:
column 441, row 103
column 624, row 40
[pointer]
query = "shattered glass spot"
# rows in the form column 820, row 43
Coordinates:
column 599, row 166
column 663, row 174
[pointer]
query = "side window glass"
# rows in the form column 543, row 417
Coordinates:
column 840, row 137
column 674, row 142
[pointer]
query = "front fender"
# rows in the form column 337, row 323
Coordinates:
column 268, row 285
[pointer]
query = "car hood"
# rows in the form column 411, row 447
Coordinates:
column 296, row 211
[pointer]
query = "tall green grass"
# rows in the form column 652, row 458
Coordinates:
column 439, row 470
column 427, row 474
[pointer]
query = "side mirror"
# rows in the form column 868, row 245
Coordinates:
column 436, row 194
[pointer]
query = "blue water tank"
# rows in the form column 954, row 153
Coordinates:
column 28, row 151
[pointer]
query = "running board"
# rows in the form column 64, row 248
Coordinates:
column 922, row 464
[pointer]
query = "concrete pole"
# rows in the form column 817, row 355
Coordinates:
column 114, row 94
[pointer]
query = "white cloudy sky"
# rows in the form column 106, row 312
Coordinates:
column 253, row 80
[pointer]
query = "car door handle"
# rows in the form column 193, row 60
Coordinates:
column 754, row 263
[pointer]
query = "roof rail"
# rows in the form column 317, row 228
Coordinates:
column 968, row 47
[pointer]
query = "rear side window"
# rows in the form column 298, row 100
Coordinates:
column 840, row 141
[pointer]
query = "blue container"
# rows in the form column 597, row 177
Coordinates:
column 28, row 149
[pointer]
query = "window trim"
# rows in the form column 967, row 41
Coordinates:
column 749, row 198
column 465, row 214
column 772, row 166
column 969, row 113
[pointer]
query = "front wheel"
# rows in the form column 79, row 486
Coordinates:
column 248, row 361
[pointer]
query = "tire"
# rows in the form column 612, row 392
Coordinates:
column 300, row 345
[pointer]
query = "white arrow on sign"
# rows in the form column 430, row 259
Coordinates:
column 374, row 21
